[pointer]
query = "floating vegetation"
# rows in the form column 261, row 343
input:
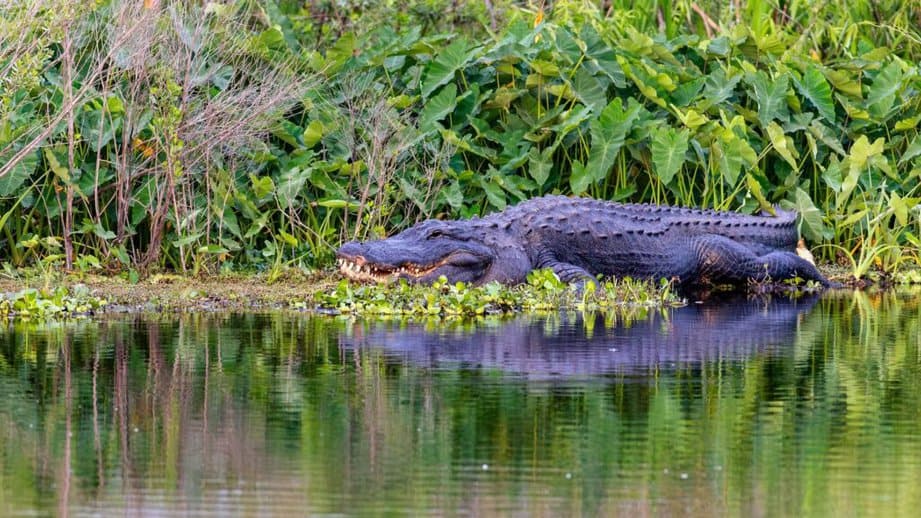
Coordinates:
column 543, row 292
column 59, row 302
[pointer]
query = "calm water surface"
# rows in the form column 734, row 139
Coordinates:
column 741, row 407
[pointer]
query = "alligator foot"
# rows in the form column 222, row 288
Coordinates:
column 721, row 259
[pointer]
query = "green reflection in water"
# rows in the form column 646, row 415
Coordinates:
column 745, row 408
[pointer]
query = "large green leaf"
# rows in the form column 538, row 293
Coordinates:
column 913, row 150
column 442, row 69
column 494, row 192
column 609, row 131
column 668, row 148
column 881, row 95
column 816, row 90
column 783, row 144
column 771, row 96
column 578, row 178
column 290, row 184
column 600, row 57
column 824, row 134
column 539, row 164
column 589, row 90
column 733, row 153
column 438, row 107
column 810, row 216
column 18, row 174
column 718, row 87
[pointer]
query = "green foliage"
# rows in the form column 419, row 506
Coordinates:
column 417, row 113
column 49, row 304
column 543, row 292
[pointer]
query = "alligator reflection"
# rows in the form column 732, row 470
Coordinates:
column 568, row 345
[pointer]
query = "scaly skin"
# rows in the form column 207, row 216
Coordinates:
column 581, row 238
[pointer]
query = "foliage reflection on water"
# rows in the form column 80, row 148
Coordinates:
column 806, row 407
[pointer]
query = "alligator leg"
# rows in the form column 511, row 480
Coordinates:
column 567, row 272
column 720, row 259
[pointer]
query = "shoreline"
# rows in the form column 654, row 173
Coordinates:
column 246, row 291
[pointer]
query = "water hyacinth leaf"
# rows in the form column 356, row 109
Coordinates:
column 442, row 69
column 438, row 107
column 771, row 96
column 609, row 131
column 668, row 148
column 783, row 144
column 815, row 89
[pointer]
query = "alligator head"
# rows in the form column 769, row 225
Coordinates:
column 458, row 250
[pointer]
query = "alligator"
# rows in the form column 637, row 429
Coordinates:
column 582, row 238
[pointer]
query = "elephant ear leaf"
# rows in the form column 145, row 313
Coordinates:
column 442, row 68
column 810, row 216
column 609, row 131
column 815, row 88
column 668, row 148
column 18, row 174
column 438, row 107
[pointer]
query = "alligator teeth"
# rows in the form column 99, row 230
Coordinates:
column 369, row 272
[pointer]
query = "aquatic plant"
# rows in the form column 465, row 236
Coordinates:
column 59, row 302
column 543, row 292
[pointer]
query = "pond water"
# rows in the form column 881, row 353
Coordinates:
column 743, row 407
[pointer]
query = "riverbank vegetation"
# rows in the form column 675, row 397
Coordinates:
column 198, row 137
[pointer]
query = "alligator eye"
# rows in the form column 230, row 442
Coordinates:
column 435, row 233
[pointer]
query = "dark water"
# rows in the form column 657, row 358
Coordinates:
column 746, row 407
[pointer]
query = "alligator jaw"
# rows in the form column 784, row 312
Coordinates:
column 359, row 269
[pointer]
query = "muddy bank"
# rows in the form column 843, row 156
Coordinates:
column 167, row 292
